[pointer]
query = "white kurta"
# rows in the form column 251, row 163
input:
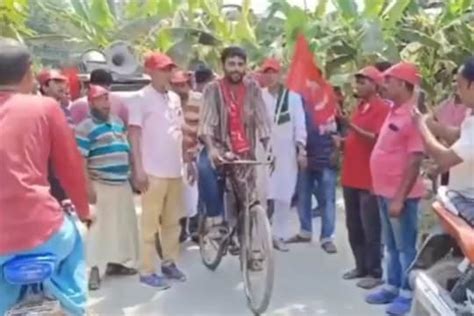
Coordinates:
column 282, row 183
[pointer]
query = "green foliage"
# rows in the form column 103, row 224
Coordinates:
column 436, row 35
column 13, row 17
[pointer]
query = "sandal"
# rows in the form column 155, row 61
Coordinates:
column 118, row 269
column 94, row 279
column 298, row 239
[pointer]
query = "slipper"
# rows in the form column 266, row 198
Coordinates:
column 118, row 269
column 298, row 239
column 94, row 279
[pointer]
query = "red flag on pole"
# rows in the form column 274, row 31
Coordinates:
column 305, row 78
column 74, row 82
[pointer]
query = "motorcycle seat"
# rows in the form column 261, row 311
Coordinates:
column 29, row 269
column 458, row 228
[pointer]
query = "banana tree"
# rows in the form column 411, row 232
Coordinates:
column 13, row 17
column 439, row 40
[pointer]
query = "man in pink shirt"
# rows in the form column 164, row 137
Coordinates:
column 395, row 168
column 80, row 108
column 34, row 133
column 155, row 132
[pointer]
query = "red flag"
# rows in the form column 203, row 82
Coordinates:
column 305, row 78
column 74, row 82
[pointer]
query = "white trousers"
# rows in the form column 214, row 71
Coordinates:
column 281, row 220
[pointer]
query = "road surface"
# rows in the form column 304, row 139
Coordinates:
column 307, row 283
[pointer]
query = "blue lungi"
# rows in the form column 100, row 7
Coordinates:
column 68, row 284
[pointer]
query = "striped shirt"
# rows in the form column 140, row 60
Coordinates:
column 214, row 116
column 190, row 129
column 106, row 148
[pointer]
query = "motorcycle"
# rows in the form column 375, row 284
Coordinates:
column 30, row 272
column 442, row 275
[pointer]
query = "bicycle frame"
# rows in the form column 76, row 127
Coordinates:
column 242, row 209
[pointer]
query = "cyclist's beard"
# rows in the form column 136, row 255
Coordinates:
column 235, row 77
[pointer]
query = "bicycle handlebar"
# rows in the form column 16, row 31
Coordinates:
column 245, row 162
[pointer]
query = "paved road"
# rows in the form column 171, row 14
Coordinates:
column 307, row 283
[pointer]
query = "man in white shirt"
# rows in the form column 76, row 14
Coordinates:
column 459, row 158
column 155, row 120
column 285, row 109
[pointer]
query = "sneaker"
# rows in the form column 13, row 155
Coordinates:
column 280, row 245
column 353, row 274
column 172, row 272
column 400, row 306
column 156, row 281
column 381, row 297
column 329, row 247
column 369, row 283
column 94, row 279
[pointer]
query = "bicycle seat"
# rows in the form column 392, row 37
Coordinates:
column 458, row 228
column 29, row 269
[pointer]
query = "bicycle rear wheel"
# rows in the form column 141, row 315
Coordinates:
column 211, row 250
column 257, row 259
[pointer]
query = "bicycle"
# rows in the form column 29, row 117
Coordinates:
column 252, row 228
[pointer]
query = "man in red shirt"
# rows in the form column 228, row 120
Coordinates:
column 52, row 83
column 362, row 213
column 395, row 167
column 35, row 132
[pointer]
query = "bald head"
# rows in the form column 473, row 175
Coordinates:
column 15, row 62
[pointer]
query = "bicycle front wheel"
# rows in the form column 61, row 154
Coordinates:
column 211, row 250
column 257, row 259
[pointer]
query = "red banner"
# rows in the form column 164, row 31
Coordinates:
column 305, row 78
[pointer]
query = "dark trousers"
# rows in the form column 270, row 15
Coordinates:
column 364, row 230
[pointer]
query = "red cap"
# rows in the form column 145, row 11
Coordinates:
column 271, row 64
column 372, row 73
column 158, row 61
column 180, row 76
column 405, row 71
column 46, row 75
column 96, row 91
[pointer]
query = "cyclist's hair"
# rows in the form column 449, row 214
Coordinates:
column 233, row 51
column 383, row 65
column 15, row 60
column 101, row 77
column 467, row 70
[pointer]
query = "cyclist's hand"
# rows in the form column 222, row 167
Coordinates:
column 230, row 156
column 140, row 181
column 216, row 157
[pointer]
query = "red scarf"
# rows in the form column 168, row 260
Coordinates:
column 234, row 99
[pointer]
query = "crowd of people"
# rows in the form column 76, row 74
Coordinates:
column 166, row 143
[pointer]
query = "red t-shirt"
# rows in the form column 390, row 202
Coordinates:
column 370, row 117
column 34, row 131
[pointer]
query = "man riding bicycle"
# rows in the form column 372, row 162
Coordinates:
column 233, row 117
